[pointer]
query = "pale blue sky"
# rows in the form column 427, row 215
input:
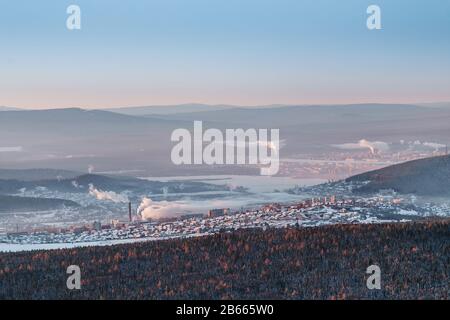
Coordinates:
column 222, row 51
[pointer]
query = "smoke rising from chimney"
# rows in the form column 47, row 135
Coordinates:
column 107, row 195
column 373, row 146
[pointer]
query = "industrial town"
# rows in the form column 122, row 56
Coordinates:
column 307, row 213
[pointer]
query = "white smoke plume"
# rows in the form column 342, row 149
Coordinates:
column 149, row 209
column 244, row 144
column 75, row 184
column 165, row 191
column 11, row 149
column 91, row 169
column 434, row 145
column 107, row 195
column 419, row 145
column 373, row 146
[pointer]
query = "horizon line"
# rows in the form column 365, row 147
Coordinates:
column 224, row 104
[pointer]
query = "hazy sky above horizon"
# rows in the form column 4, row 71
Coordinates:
column 244, row 52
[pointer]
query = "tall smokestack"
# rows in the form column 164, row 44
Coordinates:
column 129, row 210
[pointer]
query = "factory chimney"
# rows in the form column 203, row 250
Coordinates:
column 129, row 210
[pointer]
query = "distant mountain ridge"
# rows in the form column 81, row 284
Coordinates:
column 82, row 183
column 14, row 204
column 424, row 177
column 9, row 109
column 168, row 109
column 75, row 139
column 36, row 174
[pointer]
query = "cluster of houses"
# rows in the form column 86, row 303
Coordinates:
column 311, row 212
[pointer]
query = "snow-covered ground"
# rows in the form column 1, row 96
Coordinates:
column 356, row 211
